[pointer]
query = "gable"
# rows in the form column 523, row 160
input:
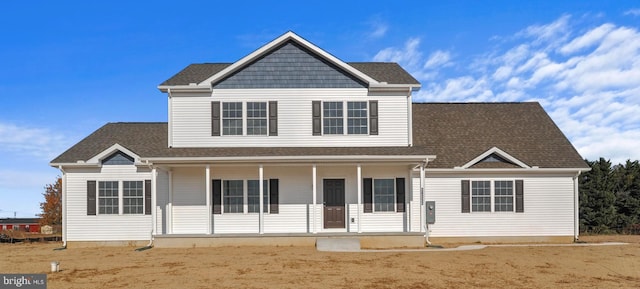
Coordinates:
column 289, row 66
column 118, row 158
column 493, row 161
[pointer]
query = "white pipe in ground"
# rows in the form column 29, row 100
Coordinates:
column 55, row 266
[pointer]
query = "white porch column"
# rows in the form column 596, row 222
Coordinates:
column 208, row 196
column 359, row 181
column 261, row 190
column 314, row 189
column 154, row 202
column 170, row 207
column 422, row 212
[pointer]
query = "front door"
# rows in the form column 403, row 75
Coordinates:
column 334, row 211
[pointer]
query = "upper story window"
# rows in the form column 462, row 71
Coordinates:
column 256, row 118
column 232, row 118
column 357, row 117
column 244, row 118
column 361, row 117
column 333, row 119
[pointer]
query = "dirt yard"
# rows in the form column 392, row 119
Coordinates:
column 304, row 267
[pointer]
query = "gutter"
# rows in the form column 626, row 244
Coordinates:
column 289, row 159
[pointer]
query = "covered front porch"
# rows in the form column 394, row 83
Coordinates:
column 304, row 199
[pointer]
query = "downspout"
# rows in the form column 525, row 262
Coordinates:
column 64, row 207
column 576, row 207
column 153, row 207
column 423, row 211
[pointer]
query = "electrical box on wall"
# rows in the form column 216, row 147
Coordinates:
column 430, row 207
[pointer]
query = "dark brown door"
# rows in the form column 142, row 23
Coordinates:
column 334, row 211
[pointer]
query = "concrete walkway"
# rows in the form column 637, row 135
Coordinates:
column 342, row 245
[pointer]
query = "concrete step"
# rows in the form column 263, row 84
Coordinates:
column 331, row 244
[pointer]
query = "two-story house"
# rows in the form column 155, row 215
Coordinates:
column 290, row 143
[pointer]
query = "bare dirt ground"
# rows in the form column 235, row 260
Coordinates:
column 304, row 267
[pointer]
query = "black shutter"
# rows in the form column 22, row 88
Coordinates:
column 215, row 118
column 91, row 198
column 367, row 194
column 216, row 187
column 399, row 194
column 273, row 118
column 519, row 196
column 373, row 117
column 273, row 196
column 147, row 197
column 317, row 118
column 466, row 204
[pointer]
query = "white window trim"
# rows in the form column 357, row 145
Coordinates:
column 345, row 118
column 492, row 194
column 120, row 197
column 244, row 119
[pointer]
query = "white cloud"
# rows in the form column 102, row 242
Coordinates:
column 587, row 78
column 633, row 12
column 437, row 59
column 41, row 143
column 408, row 55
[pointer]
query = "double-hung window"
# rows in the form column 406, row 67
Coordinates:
column 256, row 118
column 383, row 195
column 232, row 118
column 132, row 197
column 357, row 117
column 333, row 122
column 339, row 117
column 494, row 196
column 108, row 198
column 253, row 196
column 503, row 196
column 481, row 196
column 233, row 192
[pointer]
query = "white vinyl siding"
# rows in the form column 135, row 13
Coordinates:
column 546, row 199
column 81, row 227
column 190, row 119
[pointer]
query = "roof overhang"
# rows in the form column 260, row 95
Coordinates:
column 507, row 171
column 294, row 159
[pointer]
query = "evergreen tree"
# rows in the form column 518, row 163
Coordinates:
column 598, row 213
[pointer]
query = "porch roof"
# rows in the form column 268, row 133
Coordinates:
column 149, row 141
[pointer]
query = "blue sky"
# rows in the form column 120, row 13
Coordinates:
column 67, row 68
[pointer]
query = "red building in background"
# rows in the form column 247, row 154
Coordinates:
column 20, row 224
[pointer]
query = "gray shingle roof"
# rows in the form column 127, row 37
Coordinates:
column 459, row 132
column 455, row 133
column 388, row 72
column 149, row 140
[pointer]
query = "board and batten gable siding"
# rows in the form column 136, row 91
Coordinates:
column 81, row 227
column 546, row 199
column 190, row 118
column 289, row 66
